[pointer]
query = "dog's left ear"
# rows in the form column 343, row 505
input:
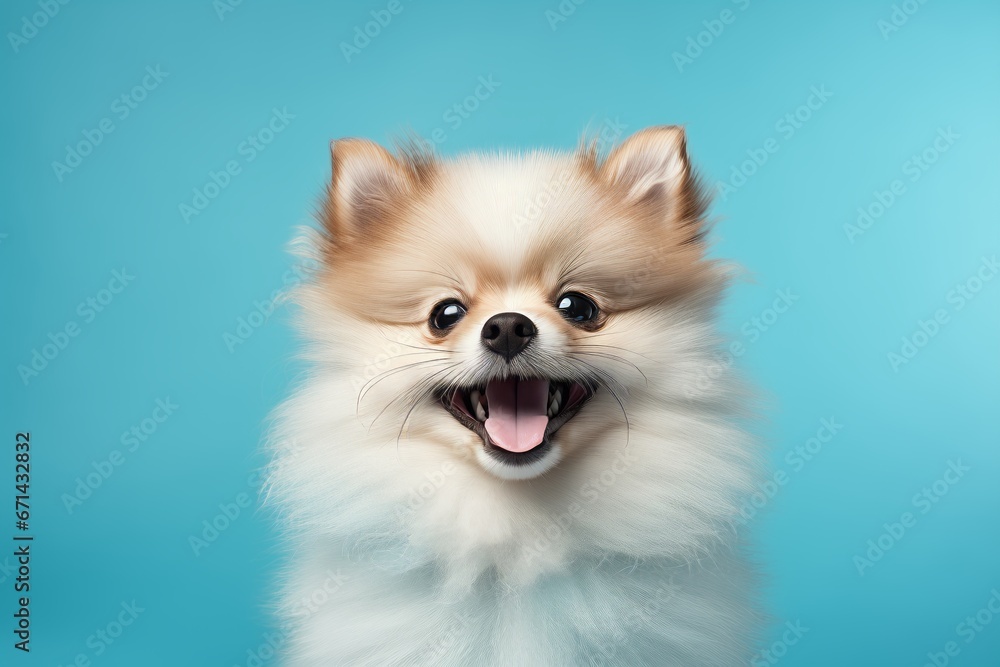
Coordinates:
column 652, row 167
column 367, row 183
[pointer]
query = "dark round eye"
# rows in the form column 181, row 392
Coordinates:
column 576, row 307
column 446, row 314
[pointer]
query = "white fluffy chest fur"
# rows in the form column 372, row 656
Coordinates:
column 403, row 556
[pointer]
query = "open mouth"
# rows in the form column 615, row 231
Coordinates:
column 516, row 417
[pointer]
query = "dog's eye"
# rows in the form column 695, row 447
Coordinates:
column 446, row 314
column 576, row 307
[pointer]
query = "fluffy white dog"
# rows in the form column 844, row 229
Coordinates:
column 516, row 446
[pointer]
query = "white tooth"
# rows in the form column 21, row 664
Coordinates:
column 556, row 401
column 474, row 397
column 480, row 412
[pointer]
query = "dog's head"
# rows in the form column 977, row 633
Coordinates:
column 512, row 309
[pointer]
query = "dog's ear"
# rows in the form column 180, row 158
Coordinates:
column 651, row 167
column 651, row 163
column 368, row 181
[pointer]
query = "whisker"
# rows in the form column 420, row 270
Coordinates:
column 607, row 381
column 614, row 357
column 421, row 347
column 614, row 347
column 418, row 391
column 387, row 374
column 415, row 347
column 628, row 425
column 417, row 401
column 605, row 377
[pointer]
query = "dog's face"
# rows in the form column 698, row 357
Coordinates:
column 512, row 310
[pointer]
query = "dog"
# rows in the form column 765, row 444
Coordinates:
column 516, row 444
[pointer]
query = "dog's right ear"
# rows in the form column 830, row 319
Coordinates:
column 652, row 167
column 368, row 182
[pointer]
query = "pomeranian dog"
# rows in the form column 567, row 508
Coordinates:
column 516, row 445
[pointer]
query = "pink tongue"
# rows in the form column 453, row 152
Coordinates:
column 518, row 413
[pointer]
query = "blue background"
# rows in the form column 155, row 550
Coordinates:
column 826, row 357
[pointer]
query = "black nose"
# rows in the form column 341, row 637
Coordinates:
column 508, row 334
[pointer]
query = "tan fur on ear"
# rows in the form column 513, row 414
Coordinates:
column 651, row 168
column 369, row 184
